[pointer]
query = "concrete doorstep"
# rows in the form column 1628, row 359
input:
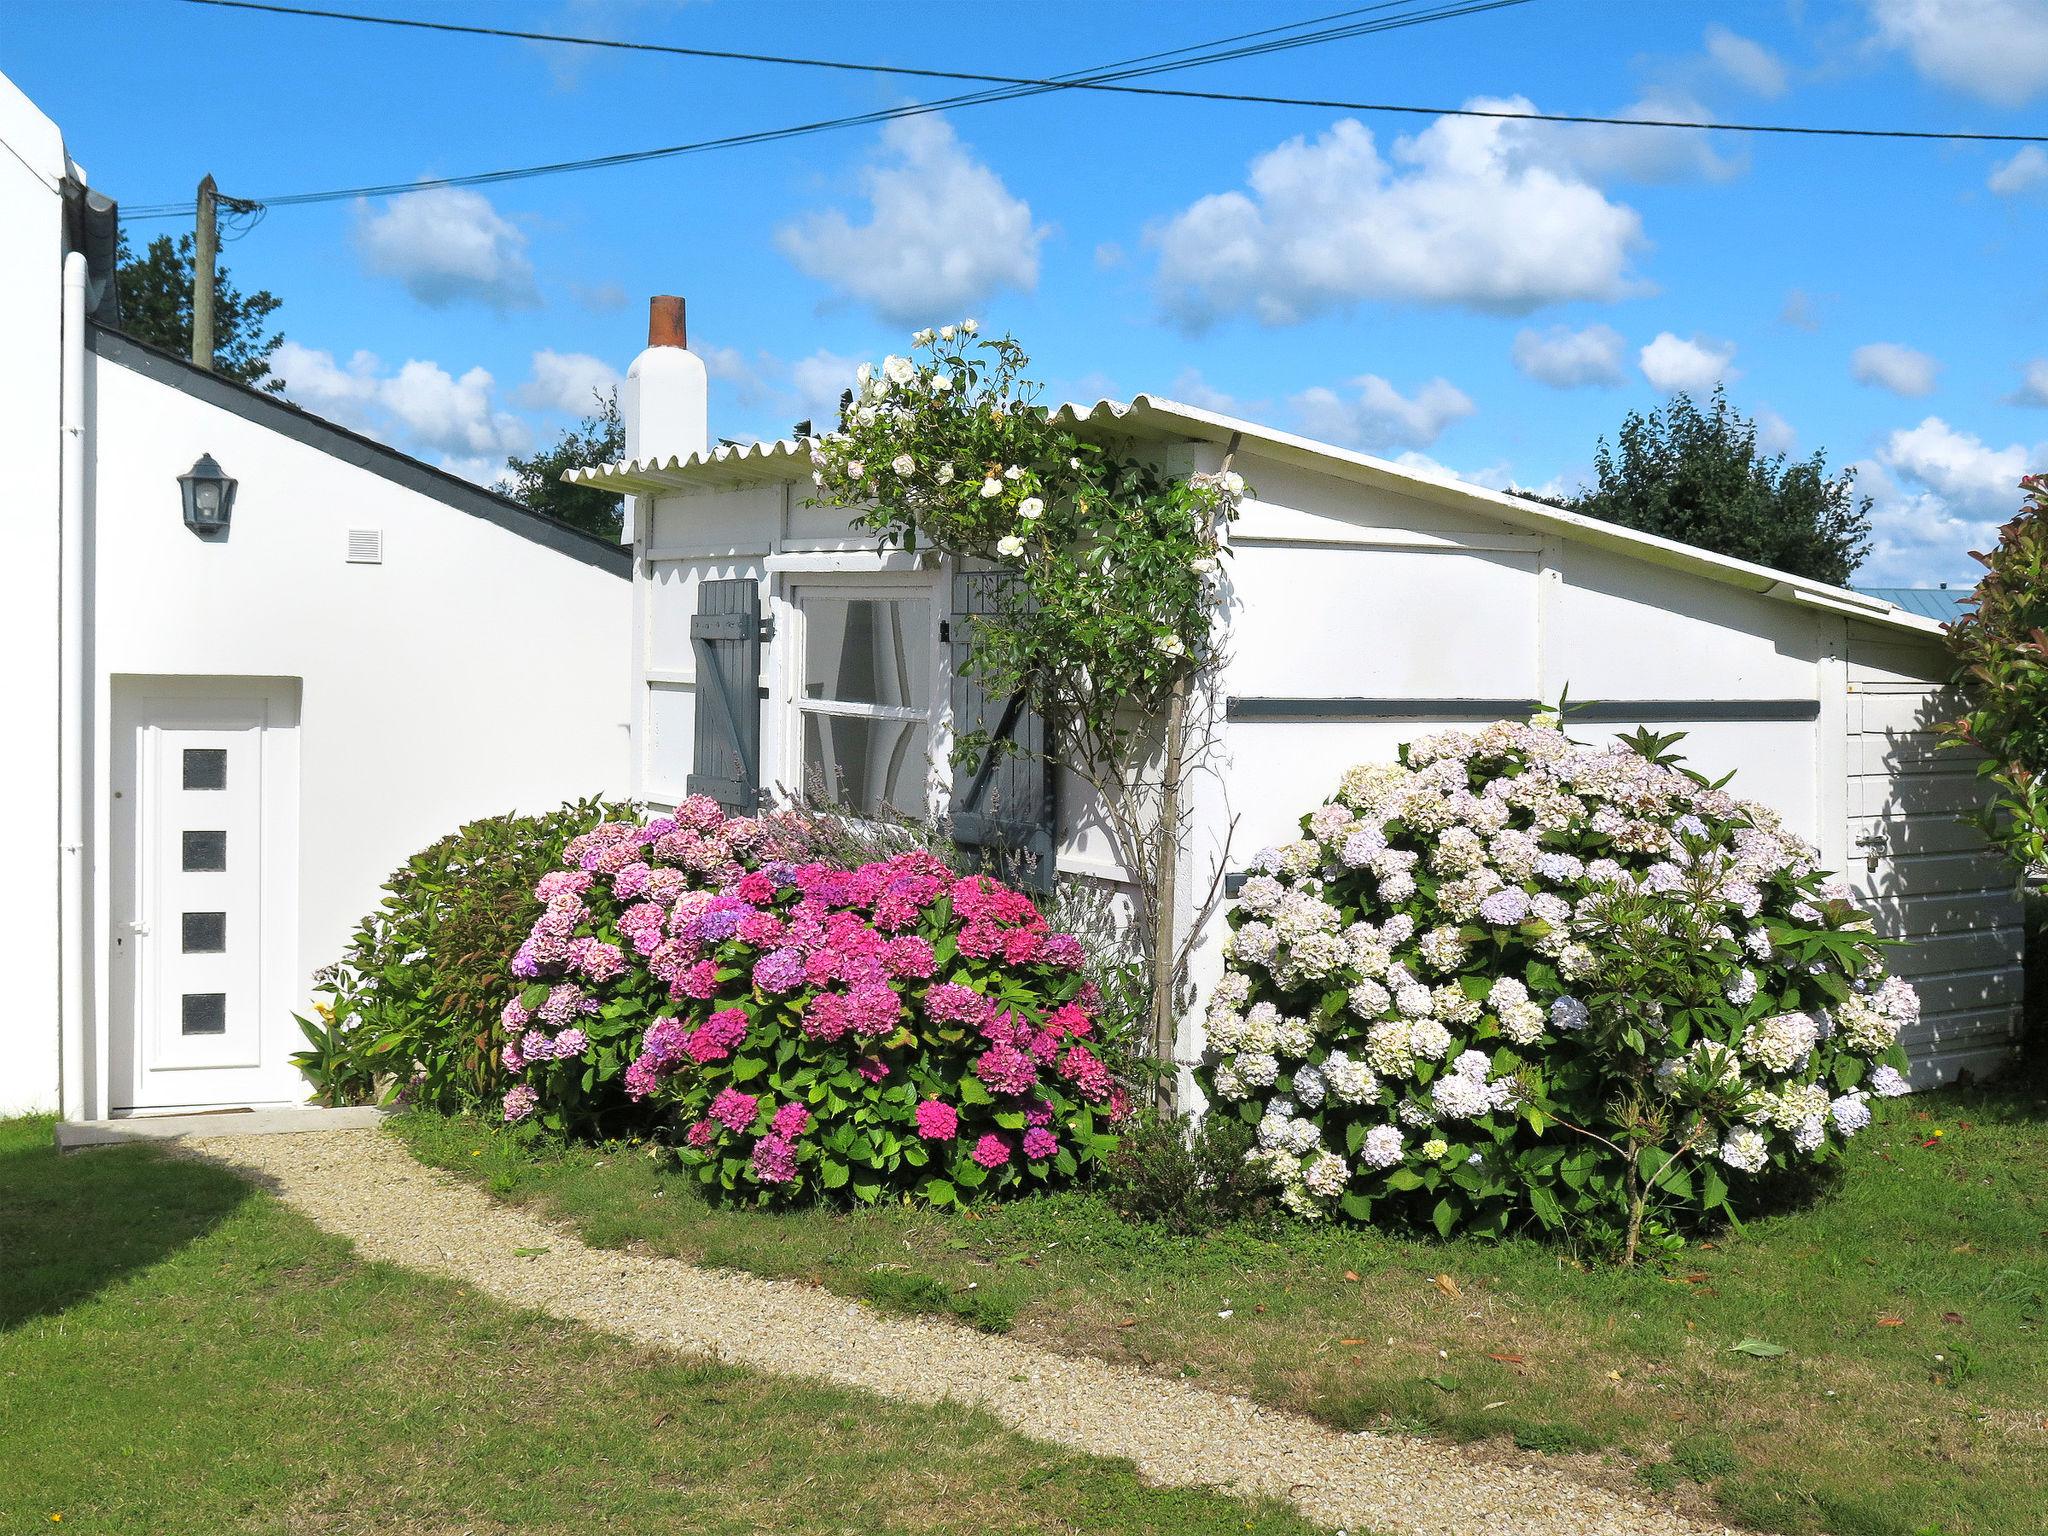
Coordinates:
column 73, row 1134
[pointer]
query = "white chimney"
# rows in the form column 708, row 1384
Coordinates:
column 667, row 395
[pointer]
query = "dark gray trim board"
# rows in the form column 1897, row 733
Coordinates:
column 1593, row 712
column 281, row 416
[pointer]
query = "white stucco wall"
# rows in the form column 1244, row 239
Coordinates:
column 472, row 671
column 31, row 293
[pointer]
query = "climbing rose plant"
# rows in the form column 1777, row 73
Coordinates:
column 1512, row 979
column 2001, row 651
column 893, row 1029
column 1116, row 565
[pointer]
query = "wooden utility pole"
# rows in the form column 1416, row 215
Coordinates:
column 205, row 251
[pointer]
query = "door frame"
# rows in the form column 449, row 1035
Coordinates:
column 136, row 703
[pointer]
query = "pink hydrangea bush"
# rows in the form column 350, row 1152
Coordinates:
column 603, row 959
column 893, row 1029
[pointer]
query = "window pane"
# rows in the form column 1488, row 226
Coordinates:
column 867, row 650
column 205, row 933
column 205, row 851
column 866, row 766
column 206, row 768
column 205, row 1013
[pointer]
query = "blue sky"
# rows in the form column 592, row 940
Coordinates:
column 1488, row 298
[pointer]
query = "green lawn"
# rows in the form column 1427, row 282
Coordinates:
column 1912, row 1306
column 180, row 1353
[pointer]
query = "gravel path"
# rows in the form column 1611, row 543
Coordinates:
column 362, row 1185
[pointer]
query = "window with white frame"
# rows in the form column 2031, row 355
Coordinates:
column 864, row 695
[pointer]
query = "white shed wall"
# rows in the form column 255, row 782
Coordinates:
column 473, row 671
column 31, row 300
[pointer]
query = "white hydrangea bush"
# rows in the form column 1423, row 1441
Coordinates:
column 1513, row 979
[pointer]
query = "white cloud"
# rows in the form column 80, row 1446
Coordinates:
column 421, row 407
column 1960, row 466
column 943, row 233
column 448, row 246
column 1747, row 62
column 817, row 383
column 1471, row 212
column 1902, row 370
column 1379, row 417
column 2023, row 172
column 1608, row 152
column 1938, row 493
column 570, row 382
column 1672, row 363
column 2033, row 388
column 1801, row 311
column 1995, row 50
column 1191, row 388
column 1774, row 434
column 1567, row 359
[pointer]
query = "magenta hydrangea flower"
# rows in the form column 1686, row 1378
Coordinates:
column 937, row 1120
column 992, row 1151
column 520, row 1101
column 734, row 1110
column 1005, row 1069
column 701, row 1135
column 570, row 1042
column 790, row 1121
column 1040, row 1143
column 774, row 1160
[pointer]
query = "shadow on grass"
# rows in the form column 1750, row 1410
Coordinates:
column 73, row 1225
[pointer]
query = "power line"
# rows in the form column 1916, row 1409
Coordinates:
column 1010, row 88
column 1109, row 84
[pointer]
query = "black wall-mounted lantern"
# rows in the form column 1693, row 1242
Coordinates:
column 209, row 495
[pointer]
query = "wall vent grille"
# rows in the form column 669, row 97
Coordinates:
column 366, row 546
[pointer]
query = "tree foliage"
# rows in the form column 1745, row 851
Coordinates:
column 1699, row 477
column 156, row 307
column 2001, row 651
column 599, row 438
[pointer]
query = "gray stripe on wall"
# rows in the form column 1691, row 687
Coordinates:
column 1593, row 712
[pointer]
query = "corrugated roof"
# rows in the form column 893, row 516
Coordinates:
column 1943, row 604
column 1153, row 418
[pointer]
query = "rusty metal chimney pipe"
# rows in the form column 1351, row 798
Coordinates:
column 665, row 323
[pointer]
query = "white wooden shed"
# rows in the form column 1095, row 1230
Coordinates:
column 1367, row 603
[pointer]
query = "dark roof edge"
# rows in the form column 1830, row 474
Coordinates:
column 366, row 453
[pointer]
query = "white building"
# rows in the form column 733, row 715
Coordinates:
column 775, row 649
column 221, row 743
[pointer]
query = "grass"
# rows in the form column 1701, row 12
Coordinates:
column 1911, row 1304
column 181, row 1353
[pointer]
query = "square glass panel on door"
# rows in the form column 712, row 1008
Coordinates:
column 190, row 1019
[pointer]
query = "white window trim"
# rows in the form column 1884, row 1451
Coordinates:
column 860, row 575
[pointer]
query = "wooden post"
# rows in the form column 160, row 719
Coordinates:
column 205, row 252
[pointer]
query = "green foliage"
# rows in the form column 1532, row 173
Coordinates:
column 1187, row 1178
column 2001, row 651
column 413, row 1003
column 1700, row 478
column 600, row 438
column 156, row 306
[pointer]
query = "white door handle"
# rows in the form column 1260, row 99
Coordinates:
column 139, row 929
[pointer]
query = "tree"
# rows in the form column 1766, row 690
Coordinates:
column 1699, row 477
column 156, row 307
column 599, row 438
column 2001, row 651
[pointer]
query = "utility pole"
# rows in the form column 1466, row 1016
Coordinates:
column 205, row 251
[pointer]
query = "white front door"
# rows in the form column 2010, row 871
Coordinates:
column 196, row 1020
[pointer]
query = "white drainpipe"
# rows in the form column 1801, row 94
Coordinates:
column 72, row 682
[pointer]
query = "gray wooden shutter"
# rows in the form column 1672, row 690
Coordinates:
column 1002, row 805
column 725, row 639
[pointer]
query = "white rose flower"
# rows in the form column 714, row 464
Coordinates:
column 991, row 487
column 921, row 338
column 1233, row 482
column 1169, row 645
column 941, row 382
column 899, row 370
column 1013, row 473
column 863, row 373
column 855, row 469
column 1010, row 546
column 903, row 464
column 1030, row 508
column 1207, row 565
column 945, row 474
column 969, row 327
column 945, row 333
